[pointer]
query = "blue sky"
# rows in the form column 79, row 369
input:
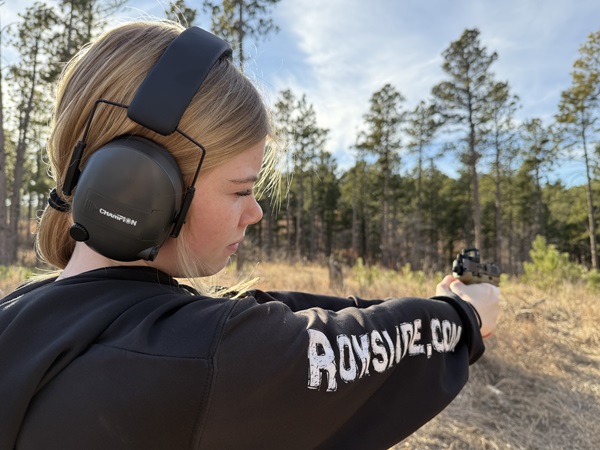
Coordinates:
column 339, row 52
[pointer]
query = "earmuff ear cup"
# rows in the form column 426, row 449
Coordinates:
column 127, row 198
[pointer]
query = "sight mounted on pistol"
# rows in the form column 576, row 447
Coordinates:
column 469, row 269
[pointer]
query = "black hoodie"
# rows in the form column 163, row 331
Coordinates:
column 127, row 358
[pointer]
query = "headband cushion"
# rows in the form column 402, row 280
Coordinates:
column 170, row 86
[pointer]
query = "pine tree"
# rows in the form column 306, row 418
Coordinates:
column 5, row 254
column 179, row 12
column 538, row 157
column 381, row 138
column 421, row 129
column 359, row 220
column 235, row 20
column 297, row 129
column 31, row 41
column 326, row 195
column 307, row 142
column 502, row 141
column 282, row 114
column 463, row 101
column 578, row 117
column 77, row 22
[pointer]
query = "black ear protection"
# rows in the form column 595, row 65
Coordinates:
column 130, row 193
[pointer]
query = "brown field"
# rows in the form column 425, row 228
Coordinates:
column 537, row 386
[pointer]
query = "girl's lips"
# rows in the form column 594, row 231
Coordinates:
column 233, row 247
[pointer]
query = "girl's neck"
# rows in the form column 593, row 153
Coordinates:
column 85, row 259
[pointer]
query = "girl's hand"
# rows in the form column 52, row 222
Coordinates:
column 483, row 296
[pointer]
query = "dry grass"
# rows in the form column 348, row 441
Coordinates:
column 536, row 388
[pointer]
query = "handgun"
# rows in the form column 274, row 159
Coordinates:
column 469, row 269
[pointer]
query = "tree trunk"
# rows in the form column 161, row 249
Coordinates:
column 268, row 227
column 5, row 252
column 385, row 219
column 475, row 182
column 510, row 245
column 241, row 33
column 355, row 222
column 498, row 204
column 419, row 244
column 591, row 218
column 15, row 206
column 290, row 232
column 540, row 222
column 299, row 216
column 312, row 232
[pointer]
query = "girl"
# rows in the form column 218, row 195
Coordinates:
column 114, row 353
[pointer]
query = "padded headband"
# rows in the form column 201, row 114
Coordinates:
column 164, row 95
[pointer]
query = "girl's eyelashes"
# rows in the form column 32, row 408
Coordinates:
column 245, row 193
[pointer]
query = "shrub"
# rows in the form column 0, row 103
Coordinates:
column 417, row 276
column 593, row 280
column 548, row 266
column 365, row 276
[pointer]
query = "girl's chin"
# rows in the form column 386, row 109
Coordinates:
column 209, row 271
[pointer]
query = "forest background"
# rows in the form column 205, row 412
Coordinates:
column 394, row 217
column 499, row 200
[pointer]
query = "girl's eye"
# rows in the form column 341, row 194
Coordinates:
column 245, row 193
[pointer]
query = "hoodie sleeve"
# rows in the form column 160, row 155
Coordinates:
column 352, row 378
column 299, row 301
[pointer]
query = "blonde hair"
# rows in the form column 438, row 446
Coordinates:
column 227, row 116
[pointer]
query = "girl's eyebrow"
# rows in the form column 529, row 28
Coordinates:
column 248, row 179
